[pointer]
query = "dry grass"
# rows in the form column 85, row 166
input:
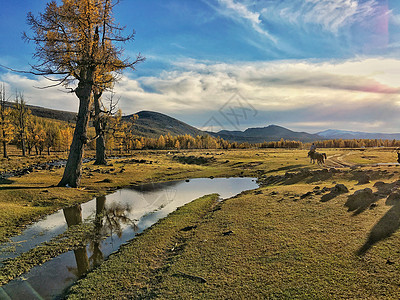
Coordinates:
column 278, row 244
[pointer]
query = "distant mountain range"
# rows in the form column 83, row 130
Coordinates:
column 154, row 124
column 343, row 134
column 268, row 134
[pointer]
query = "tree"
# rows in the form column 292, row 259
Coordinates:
column 21, row 115
column 161, row 142
column 53, row 137
column 101, row 123
column 75, row 45
column 6, row 127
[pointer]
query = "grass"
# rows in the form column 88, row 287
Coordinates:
column 278, row 243
column 279, row 246
column 74, row 238
column 141, row 261
column 32, row 196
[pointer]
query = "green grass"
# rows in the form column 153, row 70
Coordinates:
column 74, row 238
column 142, row 261
column 281, row 245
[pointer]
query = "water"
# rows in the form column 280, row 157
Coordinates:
column 117, row 217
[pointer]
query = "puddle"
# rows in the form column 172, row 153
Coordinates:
column 120, row 216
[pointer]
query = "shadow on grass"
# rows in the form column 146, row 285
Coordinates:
column 390, row 222
column 385, row 227
column 6, row 181
column 285, row 168
column 4, row 188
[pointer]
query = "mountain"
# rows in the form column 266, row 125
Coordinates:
column 343, row 134
column 42, row 112
column 154, row 124
column 268, row 134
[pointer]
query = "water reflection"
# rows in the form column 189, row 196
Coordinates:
column 115, row 217
column 108, row 220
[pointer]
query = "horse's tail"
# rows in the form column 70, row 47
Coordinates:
column 324, row 154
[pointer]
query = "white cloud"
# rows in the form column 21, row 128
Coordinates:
column 356, row 94
column 55, row 98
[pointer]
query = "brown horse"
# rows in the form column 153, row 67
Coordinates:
column 319, row 157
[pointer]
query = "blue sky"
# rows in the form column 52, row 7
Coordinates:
column 308, row 65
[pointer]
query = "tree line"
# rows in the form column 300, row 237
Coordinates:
column 36, row 135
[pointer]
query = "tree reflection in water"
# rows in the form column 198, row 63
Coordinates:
column 107, row 222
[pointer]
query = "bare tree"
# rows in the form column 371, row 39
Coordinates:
column 102, row 122
column 75, row 46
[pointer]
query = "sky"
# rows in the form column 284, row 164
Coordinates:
column 307, row 65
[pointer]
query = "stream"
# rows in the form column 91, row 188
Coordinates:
column 117, row 218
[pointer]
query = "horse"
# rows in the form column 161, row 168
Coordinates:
column 319, row 157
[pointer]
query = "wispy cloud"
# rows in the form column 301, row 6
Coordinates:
column 241, row 12
column 331, row 15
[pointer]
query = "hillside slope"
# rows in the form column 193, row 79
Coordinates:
column 268, row 134
column 154, row 124
column 42, row 112
column 344, row 134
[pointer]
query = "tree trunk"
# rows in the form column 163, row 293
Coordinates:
column 72, row 173
column 23, row 145
column 5, row 155
column 100, row 142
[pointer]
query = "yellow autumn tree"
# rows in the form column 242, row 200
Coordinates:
column 6, row 126
column 76, row 42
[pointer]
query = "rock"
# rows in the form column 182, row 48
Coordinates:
column 335, row 191
column 393, row 199
column 373, row 205
column 363, row 179
column 340, row 189
column 306, row 195
column 360, row 200
column 379, row 184
column 325, row 189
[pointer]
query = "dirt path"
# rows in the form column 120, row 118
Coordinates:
column 337, row 161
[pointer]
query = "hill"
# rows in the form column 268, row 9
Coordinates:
column 42, row 112
column 343, row 134
column 268, row 134
column 154, row 124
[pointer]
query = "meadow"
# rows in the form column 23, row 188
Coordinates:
column 300, row 235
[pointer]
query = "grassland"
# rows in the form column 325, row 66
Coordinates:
column 279, row 241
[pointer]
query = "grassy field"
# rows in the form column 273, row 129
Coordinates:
column 294, row 237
